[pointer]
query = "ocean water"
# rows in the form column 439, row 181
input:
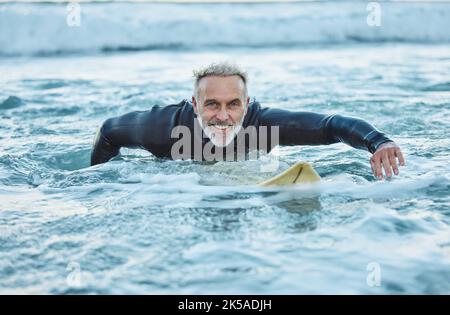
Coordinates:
column 143, row 225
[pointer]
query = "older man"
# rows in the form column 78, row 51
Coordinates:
column 221, row 110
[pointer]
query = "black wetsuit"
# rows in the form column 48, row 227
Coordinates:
column 152, row 130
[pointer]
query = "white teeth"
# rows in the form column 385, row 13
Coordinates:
column 222, row 127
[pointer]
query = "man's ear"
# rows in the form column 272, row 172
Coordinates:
column 194, row 103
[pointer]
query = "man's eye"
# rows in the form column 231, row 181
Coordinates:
column 234, row 104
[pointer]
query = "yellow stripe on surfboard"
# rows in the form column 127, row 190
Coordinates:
column 299, row 173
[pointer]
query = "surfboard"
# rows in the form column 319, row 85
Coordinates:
column 299, row 173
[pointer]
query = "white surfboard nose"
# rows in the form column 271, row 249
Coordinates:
column 299, row 173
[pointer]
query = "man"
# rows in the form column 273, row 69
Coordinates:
column 221, row 110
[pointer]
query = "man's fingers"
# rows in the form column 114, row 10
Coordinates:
column 399, row 155
column 377, row 167
column 385, row 158
column 372, row 166
column 386, row 165
column 393, row 163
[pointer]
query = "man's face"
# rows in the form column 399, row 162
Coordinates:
column 221, row 107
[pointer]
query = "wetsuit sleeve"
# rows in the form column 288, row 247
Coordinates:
column 117, row 132
column 305, row 128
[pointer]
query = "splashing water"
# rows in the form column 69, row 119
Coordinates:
column 139, row 224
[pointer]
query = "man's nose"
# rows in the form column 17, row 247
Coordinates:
column 222, row 114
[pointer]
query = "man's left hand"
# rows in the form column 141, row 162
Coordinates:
column 385, row 157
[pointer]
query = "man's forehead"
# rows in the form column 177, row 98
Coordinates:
column 221, row 85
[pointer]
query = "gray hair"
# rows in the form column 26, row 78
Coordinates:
column 221, row 69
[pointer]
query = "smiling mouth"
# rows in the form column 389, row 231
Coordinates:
column 220, row 127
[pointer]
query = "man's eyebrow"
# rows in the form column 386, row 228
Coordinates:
column 216, row 101
column 236, row 99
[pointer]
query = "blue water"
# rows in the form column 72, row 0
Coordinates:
column 138, row 224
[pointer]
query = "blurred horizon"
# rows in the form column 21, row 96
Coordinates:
column 122, row 26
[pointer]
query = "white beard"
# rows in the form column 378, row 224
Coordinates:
column 218, row 139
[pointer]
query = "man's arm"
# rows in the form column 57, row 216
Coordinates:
column 102, row 150
column 149, row 130
column 305, row 128
column 117, row 132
